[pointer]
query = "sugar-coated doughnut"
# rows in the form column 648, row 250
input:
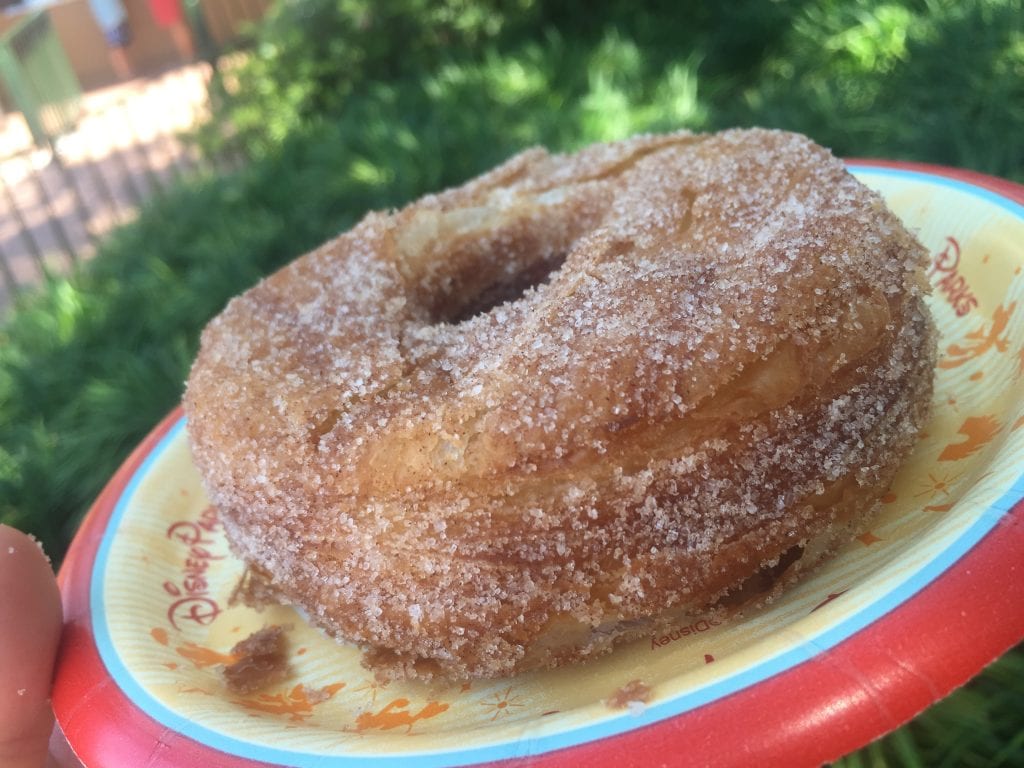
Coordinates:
column 575, row 398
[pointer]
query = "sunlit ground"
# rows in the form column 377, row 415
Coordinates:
column 125, row 145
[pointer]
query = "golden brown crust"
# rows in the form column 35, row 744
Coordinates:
column 731, row 354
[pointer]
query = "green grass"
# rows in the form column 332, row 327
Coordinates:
column 346, row 105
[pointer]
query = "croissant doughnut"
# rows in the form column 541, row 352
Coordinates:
column 524, row 419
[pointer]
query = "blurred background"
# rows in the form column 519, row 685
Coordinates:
column 159, row 156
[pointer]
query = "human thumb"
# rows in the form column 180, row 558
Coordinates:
column 30, row 624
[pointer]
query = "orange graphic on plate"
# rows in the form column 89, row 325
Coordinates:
column 979, row 431
column 936, row 485
column 396, row 715
column 983, row 340
column 501, row 703
column 373, row 687
column 159, row 634
column 204, row 657
column 868, row 538
column 298, row 703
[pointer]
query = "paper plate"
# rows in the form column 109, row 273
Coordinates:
column 909, row 610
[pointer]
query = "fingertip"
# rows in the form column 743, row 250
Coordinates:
column 30, row 624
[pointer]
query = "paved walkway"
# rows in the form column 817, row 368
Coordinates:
column 125, row 146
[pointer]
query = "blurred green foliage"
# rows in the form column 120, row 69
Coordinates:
column 340, row 106
column 312, row 58
column 934, row 80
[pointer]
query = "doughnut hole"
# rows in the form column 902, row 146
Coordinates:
column 461, row 263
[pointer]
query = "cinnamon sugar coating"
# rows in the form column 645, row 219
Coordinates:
column 713, row 356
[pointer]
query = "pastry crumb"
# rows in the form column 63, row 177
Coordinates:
column 39, row 544
column 261, row 661
column 633, row 696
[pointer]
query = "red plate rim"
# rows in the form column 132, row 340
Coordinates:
column 825, row 707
